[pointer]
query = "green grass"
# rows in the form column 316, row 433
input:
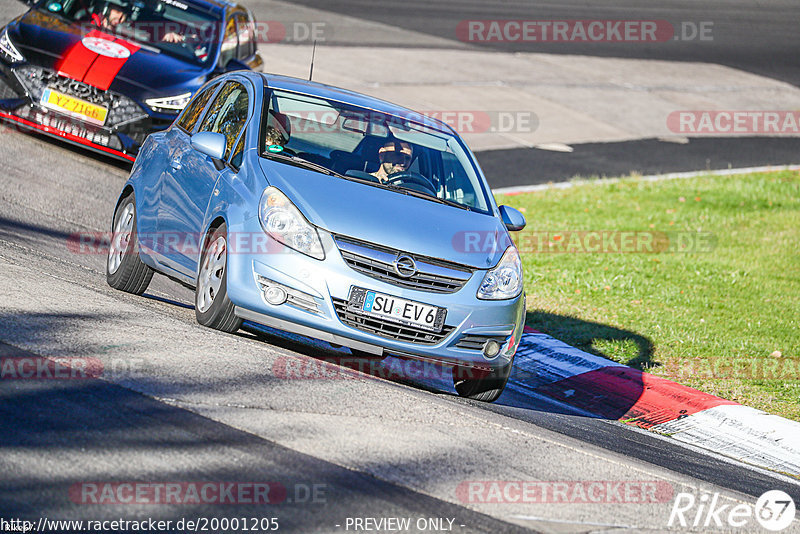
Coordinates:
column 713, row 319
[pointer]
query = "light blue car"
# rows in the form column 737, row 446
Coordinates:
column 330, row 214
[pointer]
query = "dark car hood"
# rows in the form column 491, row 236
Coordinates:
column 44, row 40
column 389, row 218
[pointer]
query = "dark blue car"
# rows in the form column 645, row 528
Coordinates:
column 105, row 73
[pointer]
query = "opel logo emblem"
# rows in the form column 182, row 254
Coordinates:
column 405, row 266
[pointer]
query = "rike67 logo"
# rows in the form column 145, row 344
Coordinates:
column 774, row 511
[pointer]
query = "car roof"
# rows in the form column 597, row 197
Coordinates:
column 346, row 96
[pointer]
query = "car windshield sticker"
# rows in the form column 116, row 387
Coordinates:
column 275, row 148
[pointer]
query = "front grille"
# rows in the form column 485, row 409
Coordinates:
column 433, row 275
column 62, row 123
column 121, row 109
column 477, row 341
column 398, row 332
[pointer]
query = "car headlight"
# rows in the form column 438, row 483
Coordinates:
column 284, row 223
column 8, row 50
column 169, row 104
column 505, row 280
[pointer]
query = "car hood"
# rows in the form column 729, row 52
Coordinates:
column 45, row 40
column 389, row 218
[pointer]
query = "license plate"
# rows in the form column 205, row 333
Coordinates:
column 74, row 106
column 396, row 309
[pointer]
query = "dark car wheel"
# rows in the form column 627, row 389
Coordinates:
column 124, row 270
column 212, row 306
column 479, row 385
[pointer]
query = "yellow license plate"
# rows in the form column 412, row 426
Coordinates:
column 74, row 106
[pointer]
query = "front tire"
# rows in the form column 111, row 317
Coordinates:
column 124, row 269
column 484, row 386
column 212, row 306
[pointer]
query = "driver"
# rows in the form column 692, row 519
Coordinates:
column 394, row 156
column 113, row 17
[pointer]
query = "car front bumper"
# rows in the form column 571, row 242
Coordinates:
column 319, row 291
column 18, row 105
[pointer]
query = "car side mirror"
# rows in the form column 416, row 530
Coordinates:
column 211, row 144
column 513, row 219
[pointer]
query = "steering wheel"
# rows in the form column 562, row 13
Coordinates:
column 411, row 177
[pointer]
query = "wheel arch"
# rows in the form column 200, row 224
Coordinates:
column 126, row 192
column 217, row 221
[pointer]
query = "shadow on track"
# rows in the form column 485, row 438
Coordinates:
column 537, row 366
column 585, row 335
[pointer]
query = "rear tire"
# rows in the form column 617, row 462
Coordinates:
column 484, row 386
column 212, row 307
column 124, row 269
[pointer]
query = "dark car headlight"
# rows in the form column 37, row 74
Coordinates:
column 169, row 104
column 8, row 50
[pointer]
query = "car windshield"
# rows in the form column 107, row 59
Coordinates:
column 172, row 26
column 396, row 152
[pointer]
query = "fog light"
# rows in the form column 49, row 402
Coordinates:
column 491, row 348
column 275, row 295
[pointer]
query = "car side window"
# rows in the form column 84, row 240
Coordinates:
column 227, row 114
column 195, row 108
column 246, row 33
column 229, row 42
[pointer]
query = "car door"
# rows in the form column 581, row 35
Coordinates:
column 247, row 51
column 239, row 48
column 175, row 141
column 194, row 175
column 230, row 43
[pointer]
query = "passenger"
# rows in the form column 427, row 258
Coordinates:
column 277, row 132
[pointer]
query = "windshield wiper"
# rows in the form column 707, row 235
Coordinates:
column 405, row 191
column 426, row 196
column 300, row 162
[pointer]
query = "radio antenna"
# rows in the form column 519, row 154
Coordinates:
column 313, row 53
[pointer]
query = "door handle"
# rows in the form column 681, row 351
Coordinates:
column 176, row 164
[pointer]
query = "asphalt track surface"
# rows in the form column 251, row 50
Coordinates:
column 756, row 37
column 503, row 168
column 208, row 407
column 159, row 427
column 759, row 37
